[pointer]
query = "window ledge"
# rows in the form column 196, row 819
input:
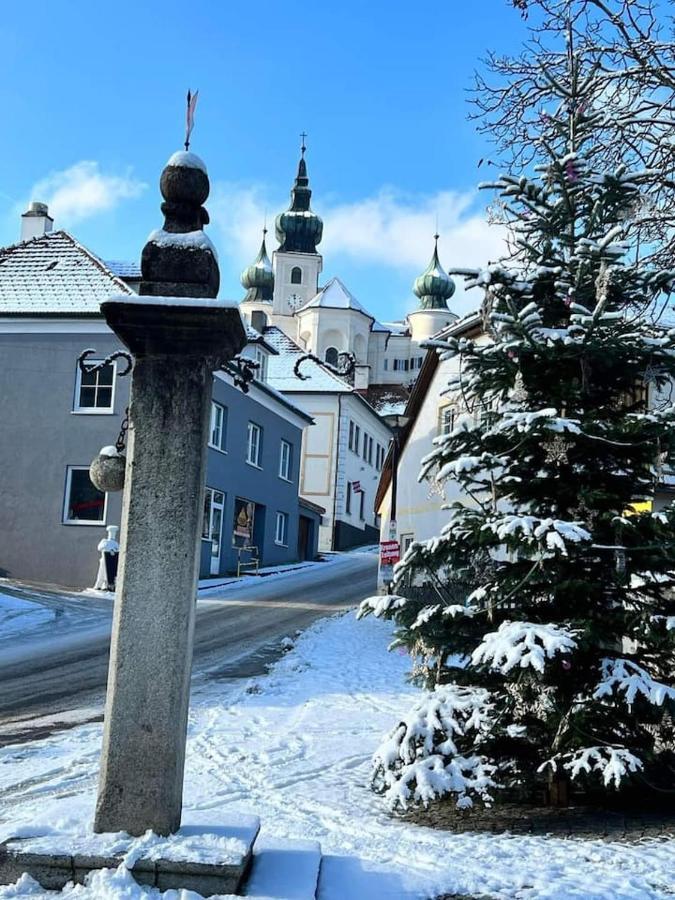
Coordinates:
column 217, row 449
column 83, row 522
column 287, row 480
column 279, row 544
column 93, row 412
column 254, row 465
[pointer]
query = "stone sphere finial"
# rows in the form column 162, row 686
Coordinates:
column 179, row 260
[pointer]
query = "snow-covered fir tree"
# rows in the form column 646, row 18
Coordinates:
column 545, row 636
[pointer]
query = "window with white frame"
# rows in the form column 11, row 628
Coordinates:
column 348, row 499
column 83, row 504
column 95, row 391
column 362, row 497
column 379, row 457
column 261, row 358
column 281, row 531
column 354, row 437
column 285, row 458
column 254, row 445
column 446, row 419
column 406, row 541
column 217, row 438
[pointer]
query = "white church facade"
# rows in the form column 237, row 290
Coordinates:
column 343, row 454
column 328, row 320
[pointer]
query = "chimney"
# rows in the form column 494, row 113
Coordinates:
column 36, row 221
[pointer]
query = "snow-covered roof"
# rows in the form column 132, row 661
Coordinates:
column 123, row 268
column 255, row 337
column 335, row 295
column 54, row 275
column 281, row 376
column 396, row 327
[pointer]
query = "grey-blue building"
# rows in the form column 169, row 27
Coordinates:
column 56, row 419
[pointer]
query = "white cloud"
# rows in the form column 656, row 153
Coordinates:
column 389, row 228
column 82, row 191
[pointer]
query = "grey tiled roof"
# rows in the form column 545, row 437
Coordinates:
column 123, row 268
column 54, row 275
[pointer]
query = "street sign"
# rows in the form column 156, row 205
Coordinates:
column 392, row 530
column 390, row 553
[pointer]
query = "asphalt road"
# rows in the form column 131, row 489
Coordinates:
column 56, row 678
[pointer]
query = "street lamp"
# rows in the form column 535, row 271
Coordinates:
column 396, row 423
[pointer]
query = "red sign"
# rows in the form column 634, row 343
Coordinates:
column 390, row 552
column 356, row 485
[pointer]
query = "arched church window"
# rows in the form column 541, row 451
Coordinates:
column 296, row 275
column 331, row 356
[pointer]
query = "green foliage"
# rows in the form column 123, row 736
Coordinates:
column 548, row 588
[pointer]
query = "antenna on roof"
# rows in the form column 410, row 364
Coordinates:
column 190, row 116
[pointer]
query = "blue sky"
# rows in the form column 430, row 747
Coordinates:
column 93, row 104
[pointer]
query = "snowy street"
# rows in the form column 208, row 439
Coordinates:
column 54, row 646
column 293, row 747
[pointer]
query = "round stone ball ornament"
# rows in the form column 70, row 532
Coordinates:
column 107, row 470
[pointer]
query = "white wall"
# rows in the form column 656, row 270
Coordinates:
column 319, row 456
column 353, row 467
column 283, row 264
column 419, row 514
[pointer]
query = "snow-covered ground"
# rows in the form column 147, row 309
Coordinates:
column 293, row 747
column 21, row 616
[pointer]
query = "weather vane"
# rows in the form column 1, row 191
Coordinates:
column 190, row 116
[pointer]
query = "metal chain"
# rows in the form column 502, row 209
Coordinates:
column 121, row 441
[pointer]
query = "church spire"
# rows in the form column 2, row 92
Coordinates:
column 299, row 230
column 434, row 286
column 258, row 278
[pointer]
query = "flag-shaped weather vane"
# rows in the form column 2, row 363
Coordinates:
column 190, row 116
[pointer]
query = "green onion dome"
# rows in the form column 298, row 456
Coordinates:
column 258, row 278
column 434, row 286
column 299, row 229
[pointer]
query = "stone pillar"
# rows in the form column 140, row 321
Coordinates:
column 176, row 344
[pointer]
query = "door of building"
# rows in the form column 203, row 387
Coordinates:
column 215, row 508
column 303, row 537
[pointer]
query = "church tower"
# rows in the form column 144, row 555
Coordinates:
column 433, row 287
column 296, row 262
column 258, row 279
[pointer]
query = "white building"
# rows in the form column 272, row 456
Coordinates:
column 430, row 412
column 328, row 320
column 342, row 454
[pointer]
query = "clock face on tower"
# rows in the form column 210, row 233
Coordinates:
column 294, row 302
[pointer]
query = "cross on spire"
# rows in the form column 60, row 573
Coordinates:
column 303, row 135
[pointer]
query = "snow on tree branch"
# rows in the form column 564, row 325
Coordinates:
column 420, row 760
column 613, row 764
column 632, row 679
column 379, row 605
column 522, row 644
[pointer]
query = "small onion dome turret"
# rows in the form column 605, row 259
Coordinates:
column 258, row 278
column 434, row 286
column 299, row 229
